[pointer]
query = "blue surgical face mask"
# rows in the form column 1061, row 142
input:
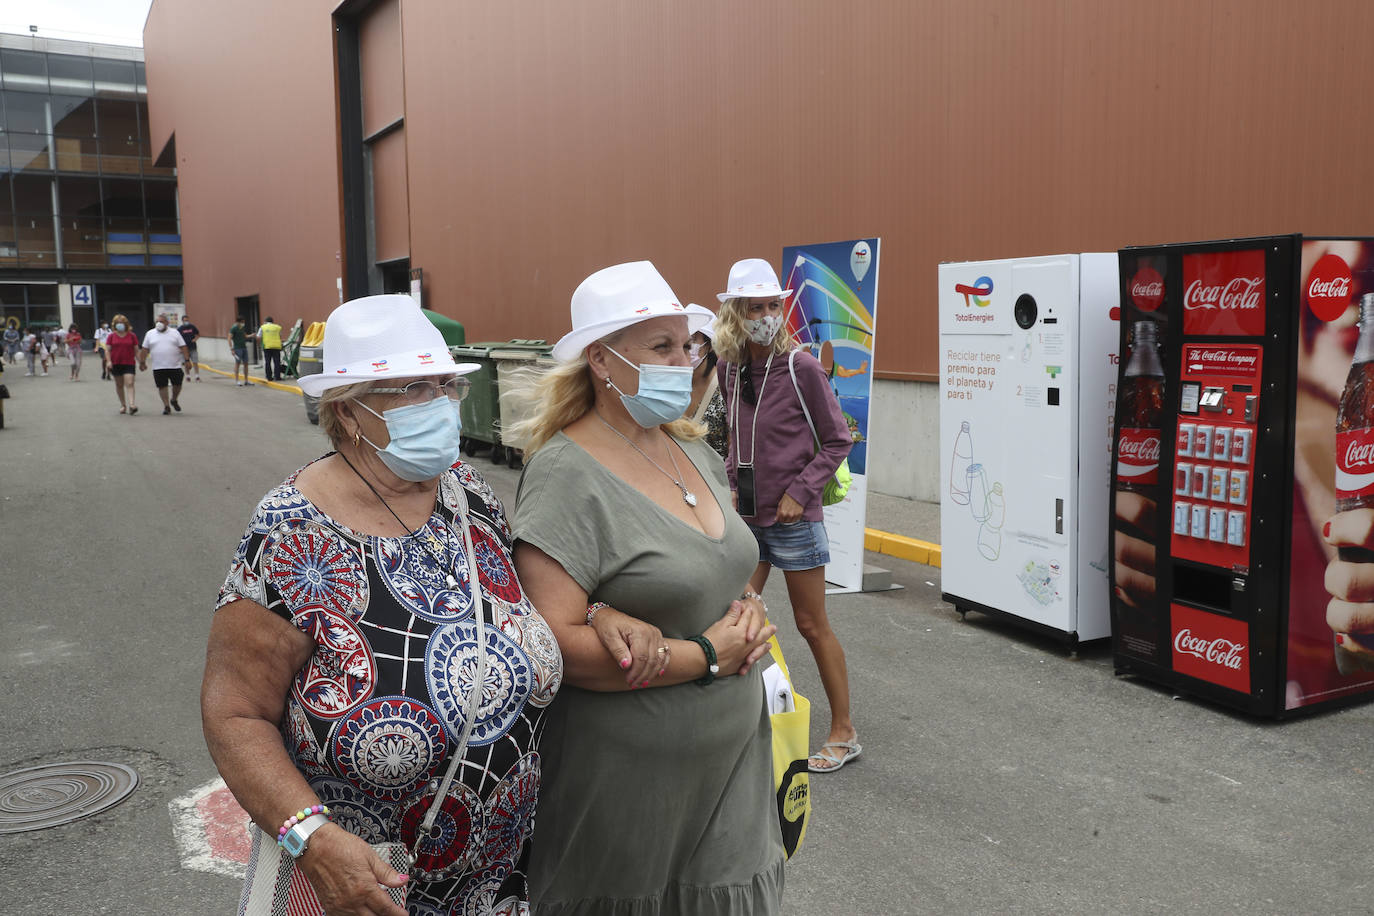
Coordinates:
column 424, row 438
column 664, row 393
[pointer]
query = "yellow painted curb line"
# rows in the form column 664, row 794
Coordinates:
column 902, row 547
column 280, row 386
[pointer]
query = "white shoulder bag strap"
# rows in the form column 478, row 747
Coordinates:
column 792, row 371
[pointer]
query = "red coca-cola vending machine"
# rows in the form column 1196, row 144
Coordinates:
column 1243, row 554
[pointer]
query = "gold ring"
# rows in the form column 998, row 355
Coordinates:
column 662, row 650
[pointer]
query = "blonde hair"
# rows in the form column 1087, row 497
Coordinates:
column 330, row 422
column 128, row 328
column 552, row 399
column 732, row 341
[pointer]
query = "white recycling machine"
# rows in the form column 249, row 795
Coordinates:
column 1028, row 352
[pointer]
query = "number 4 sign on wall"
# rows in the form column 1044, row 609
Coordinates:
column 82, row 295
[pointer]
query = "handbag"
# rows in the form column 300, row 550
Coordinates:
column 838, row 485
column 791, row 779
column 273, row 886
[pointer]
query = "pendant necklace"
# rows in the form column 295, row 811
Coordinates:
column 429, row 539
column 688, row 497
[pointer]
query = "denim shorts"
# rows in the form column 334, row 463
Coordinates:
column 794, row 546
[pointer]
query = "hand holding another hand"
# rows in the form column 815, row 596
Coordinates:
column 740, row 638
column 634, row 644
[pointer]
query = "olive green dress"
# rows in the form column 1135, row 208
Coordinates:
column 659, row 800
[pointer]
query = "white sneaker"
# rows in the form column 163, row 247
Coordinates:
column 45, row 373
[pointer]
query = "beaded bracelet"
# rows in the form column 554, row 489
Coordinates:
column 300, row 816
column 750, row 593
column 592, row 609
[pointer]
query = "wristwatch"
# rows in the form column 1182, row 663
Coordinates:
column 298, row 837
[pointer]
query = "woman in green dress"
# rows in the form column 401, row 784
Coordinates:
column 658, row 793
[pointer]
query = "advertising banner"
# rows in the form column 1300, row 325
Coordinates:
column 833, row 313
column 1328, row 654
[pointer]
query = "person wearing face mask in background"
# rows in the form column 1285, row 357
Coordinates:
column 778, row 471
column 190, row 334
column 707, row 406
column 101, row 333
column 164, row 344
column 122, row 346
column 658, row 789
column 373, row 574
column 74, row 350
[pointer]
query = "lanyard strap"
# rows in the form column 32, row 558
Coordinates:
column 754, row 424
column 474, row 695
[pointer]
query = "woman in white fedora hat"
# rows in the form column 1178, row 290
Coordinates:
column 658, row 794
column 778, row 471
column 338, row 698
column 707, row 407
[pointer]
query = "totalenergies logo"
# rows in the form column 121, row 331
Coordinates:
column 979, row 294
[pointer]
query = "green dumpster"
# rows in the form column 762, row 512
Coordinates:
column 517, row 360
column 480, row 410
column 310, row 362
column 452, row 331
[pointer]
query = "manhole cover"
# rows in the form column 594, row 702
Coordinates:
column 59, row 793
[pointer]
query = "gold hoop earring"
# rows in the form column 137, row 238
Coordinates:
column 355, row 439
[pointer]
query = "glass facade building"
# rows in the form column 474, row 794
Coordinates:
column 83, row 204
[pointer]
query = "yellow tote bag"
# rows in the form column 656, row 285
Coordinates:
column 791, row 739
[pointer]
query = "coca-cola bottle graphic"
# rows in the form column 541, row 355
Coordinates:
column 959, row 464
column 1355, row 468
column 1136, row 616
column 1139, row 405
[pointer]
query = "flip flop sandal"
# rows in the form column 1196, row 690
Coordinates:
column 852, row 750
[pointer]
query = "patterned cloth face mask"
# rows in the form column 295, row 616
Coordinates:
column 424, row 438
column 664, row 393
column 762, row 330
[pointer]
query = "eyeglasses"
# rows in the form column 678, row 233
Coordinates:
column 746, row 386
column 424, row 391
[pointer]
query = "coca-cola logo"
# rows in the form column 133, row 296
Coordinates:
column 1221, row 652
column 1224, row 292
column 1238, row 293
column 1354, row 463
column 1328, row 287
column 1211, row 647
column 1147, row 289
column 1359, row 456
column 1235, row 362
column 1141, row 451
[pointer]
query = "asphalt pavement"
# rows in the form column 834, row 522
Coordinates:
column 1000, row 774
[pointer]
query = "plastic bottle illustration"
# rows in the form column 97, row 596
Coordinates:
column 978, row 492
column 1355, row 471
column 959, row 464
column 990, row 533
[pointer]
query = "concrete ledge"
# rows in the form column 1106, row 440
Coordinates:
column 902, row 547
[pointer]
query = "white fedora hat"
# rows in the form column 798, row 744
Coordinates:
column 708, row 330
column 753, row 278
column 380, row 337
column 617, row 297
